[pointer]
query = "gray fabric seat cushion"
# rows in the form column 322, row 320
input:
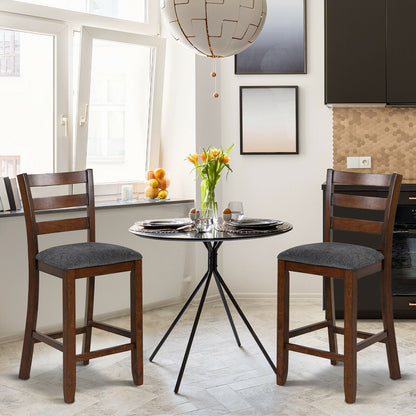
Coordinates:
column 80, row 255
column 340, row 255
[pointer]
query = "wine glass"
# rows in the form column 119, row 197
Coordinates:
column 237, row 211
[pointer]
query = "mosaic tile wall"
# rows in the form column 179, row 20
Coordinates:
column 388, row 135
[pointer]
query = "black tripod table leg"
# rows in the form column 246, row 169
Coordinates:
column 178, row 316
column 191, row 336
column 245, row 320
column 227, row 310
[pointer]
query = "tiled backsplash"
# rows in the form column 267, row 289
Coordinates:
column 388, row 135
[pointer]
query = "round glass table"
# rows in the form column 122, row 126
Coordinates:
column 212, row 240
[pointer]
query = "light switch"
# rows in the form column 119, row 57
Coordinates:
column 353, row 162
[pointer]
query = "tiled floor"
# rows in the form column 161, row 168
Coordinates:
column 220, row 378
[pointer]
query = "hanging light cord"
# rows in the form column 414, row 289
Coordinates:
column 214, row 75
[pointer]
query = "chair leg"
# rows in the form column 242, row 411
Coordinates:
column 31, row 319
column 388, row 323
column 89, row 313
column 69, row 342
column 330, row 315
column 350, row 337
column 282, row 360
column 136, row 312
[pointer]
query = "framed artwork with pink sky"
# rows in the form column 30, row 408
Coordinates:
column 269, row 120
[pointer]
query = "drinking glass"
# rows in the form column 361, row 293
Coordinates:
column 237, row 211
column 205, row 222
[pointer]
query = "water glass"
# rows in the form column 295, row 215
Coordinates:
column 237, row 211
column 205, row 222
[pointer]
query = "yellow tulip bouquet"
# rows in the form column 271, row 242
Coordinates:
column 209, row 165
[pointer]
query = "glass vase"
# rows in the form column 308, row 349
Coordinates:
column 209, row 205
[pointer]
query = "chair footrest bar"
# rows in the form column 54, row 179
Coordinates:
column 360, row 334
column 110, row 328
column 380, row 337
column 57, row 335
column 308, row 328
column 104, row 351
column 38, row 337
column 314, row 351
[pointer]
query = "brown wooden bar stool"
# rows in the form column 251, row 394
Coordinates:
column 344, row 261
column 71, row 262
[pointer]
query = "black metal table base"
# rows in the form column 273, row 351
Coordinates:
column 212, row 271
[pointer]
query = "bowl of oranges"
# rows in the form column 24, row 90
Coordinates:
column 157, row 184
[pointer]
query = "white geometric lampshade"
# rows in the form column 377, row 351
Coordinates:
column 215, row 28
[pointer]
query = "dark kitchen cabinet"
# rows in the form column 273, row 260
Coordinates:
column 355, row 53
column 370, row 54
column 401, row 51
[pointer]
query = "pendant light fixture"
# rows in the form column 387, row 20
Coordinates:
column 215, row 28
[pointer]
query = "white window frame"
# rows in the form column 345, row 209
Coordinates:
column 62, row 101
column 88, row 34
column 151, row 27
column 74, row 21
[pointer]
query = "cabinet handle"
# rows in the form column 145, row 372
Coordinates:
column 412, row 304
column 411, row 198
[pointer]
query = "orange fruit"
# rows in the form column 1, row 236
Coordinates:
column 150, row 192
column 154, row 183
column 162, row 183
column 163, row 194
column 150, row 175
column 159, row 173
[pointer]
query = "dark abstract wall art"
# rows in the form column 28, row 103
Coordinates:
column 281, row 46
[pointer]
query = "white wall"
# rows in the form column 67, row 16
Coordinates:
column 279, row 186
column 275, row 186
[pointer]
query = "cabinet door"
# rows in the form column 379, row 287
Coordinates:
column 401, row 51
column 355, row 56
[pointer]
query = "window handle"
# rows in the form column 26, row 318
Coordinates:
column 84, row 118
column 64, row 122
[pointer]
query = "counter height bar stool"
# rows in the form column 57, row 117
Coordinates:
column 348, row 262
column 70, row 262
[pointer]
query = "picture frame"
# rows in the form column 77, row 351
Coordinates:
column 269, row 120
column 281, row 45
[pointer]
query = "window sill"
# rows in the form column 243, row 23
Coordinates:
column 110, row 204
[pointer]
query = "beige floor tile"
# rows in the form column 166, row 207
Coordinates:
column 220, row 378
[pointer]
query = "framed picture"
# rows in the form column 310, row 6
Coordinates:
column 269, row 120
column 281, row 45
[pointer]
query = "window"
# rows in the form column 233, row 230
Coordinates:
column 9, row 53
column 119, row 105
column 93, row 102
column 32, row 102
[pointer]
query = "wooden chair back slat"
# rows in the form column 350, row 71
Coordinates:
column 62, row 201
column 364, row 179
column 51, row 179
column 367, row 222
column 73, row 224
column 33, row 206
column 360, row 226
column 360, row 202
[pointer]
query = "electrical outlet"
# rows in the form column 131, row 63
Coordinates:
column 365, row 162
